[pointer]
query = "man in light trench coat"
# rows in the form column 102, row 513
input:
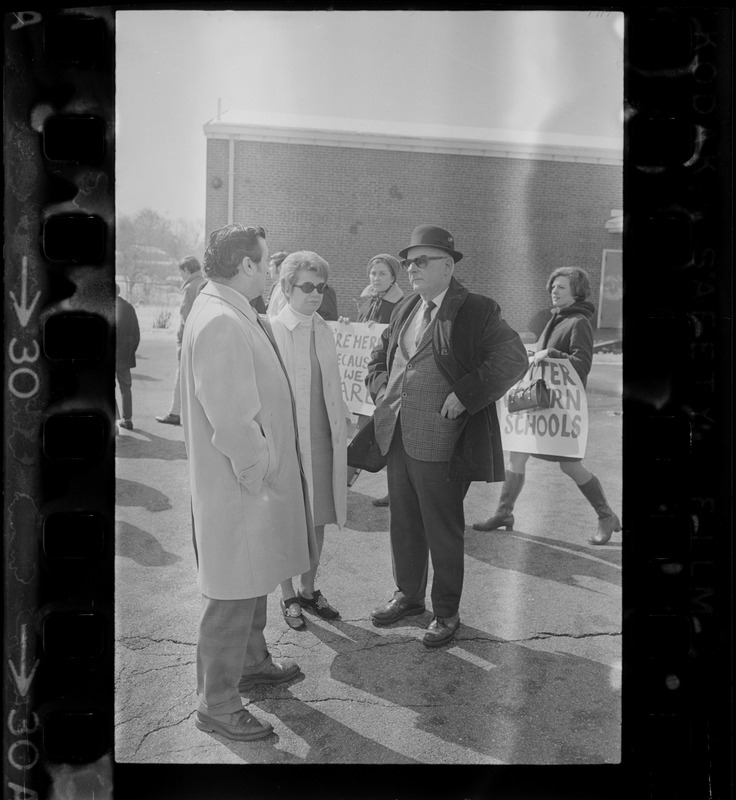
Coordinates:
column 252, row 524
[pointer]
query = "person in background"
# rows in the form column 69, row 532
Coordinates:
column 445, row 358
column 276, row 299
column 378, row 299
column 568, row 334
column 328, row 309
column 307, row 346
column 376, row 304
column 191, row 274
column 259, row 304
column 250, row 509
column 127, row 339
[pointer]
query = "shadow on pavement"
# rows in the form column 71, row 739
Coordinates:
column 362, row 515
column 138, row 377
column 503, row 700
column 132, row 493
column 543, row 557
column 328, row 741
column 149, row 445
column 141, row 546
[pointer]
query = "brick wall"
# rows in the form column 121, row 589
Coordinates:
column 515, row 220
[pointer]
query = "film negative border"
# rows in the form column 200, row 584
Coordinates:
column 677, row 423
column 59, row 354
column 59, row 442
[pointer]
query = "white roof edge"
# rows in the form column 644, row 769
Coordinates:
column 376, row 134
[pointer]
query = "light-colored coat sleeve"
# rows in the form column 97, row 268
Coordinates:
column 334, row 404
column 223, row 367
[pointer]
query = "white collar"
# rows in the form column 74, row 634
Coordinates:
column 436, row 300
column 292, row 319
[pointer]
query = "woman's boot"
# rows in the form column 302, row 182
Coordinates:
column 503, row 518
column 608, row 522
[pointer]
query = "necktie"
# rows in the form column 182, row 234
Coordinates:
column 426, row 319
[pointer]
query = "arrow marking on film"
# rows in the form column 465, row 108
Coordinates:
column 23, row 679
column 22, row 309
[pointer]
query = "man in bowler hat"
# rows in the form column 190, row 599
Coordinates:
column 444, row 360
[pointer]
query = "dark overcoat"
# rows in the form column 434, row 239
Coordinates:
column 480, row 356
column 569, row 334
column 127, row 334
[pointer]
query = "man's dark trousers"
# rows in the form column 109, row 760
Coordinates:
column 427, row 517
column 125, row 384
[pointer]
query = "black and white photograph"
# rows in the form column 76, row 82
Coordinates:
column 368, row 387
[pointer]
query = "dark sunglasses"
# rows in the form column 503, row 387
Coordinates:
column 420, row 261
column 309, row 287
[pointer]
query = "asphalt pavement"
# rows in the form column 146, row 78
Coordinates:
column 533, row 676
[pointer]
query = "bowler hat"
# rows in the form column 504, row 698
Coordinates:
column 432, row 236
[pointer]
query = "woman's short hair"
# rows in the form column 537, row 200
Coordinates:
column 302, row 259
column 190, row 264
column 228, row 246
column 579, row 281
column 390, row 261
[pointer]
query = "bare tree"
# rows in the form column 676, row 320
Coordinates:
column 149, row 246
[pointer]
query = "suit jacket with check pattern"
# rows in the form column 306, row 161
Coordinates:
column 416, row 389
column 478, row 356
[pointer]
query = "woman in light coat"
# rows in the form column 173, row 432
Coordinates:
column 307, row 347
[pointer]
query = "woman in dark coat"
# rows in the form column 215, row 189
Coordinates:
column 376, row 304
column 379, row 298
column 568, row 334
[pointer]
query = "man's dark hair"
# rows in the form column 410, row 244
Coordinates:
column 229, row 246
column 190, row 264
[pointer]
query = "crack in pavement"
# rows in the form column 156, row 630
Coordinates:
column 311, row 700
column 545, row 635
column 166, row 666
column 128, row 720
column 124, row 641
column 162, row 728
column 290, row 699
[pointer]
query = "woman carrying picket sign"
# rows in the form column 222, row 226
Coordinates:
column 568, row 334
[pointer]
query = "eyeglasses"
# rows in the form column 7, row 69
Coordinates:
column 309, row 287
column 420, row 261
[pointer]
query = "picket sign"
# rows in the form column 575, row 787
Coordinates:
column 355, row 342
column 561, row 430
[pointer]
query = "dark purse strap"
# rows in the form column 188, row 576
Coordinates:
column 526, row 378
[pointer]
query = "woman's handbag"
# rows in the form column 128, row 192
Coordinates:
column 529, row 395
column 363, row 450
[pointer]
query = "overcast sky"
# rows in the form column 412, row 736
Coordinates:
column 555, row 71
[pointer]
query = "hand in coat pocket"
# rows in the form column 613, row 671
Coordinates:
column 255, row 477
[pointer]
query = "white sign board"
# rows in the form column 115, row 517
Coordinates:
column 562, row 429
column 355, row 342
